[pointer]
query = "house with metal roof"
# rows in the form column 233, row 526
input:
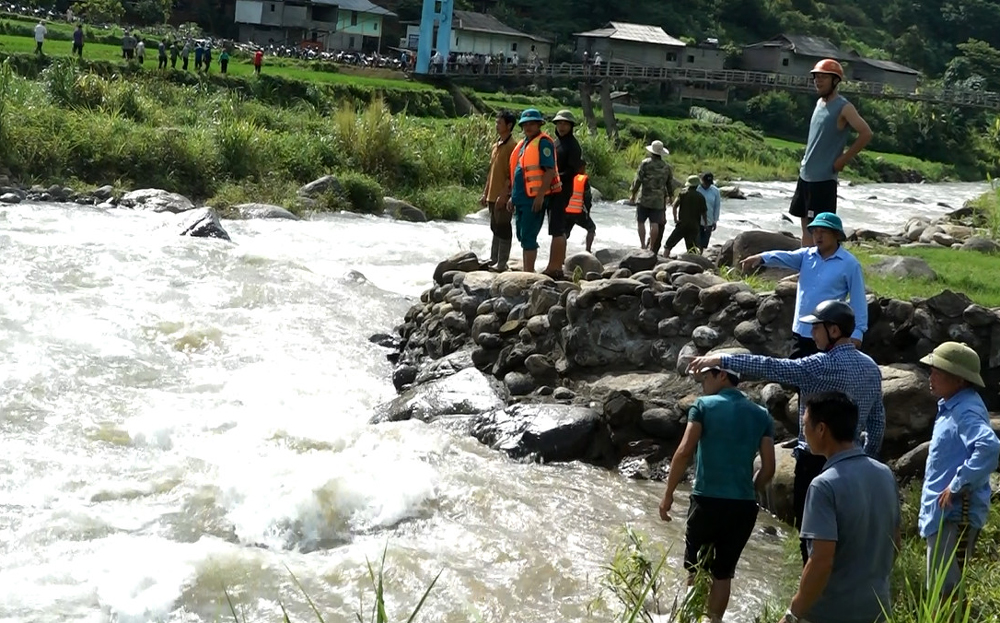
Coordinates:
column 630, row 44
column 900, row 77
column 481, row 33
column 789, row 54
column 321, row 24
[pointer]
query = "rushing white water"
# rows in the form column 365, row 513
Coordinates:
column 182, row 417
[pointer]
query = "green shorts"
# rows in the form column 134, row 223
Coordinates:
column 529, row 223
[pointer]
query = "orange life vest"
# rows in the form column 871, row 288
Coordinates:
column 576, row 203
column 531, row 167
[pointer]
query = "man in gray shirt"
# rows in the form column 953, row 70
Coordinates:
column 851, row 523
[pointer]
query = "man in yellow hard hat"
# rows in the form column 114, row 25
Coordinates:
column 825, row 158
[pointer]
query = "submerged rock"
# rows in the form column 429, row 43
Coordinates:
column 548, row 432
column 157, row 200
column 468, row 392
column 204, row 223
column 263, row 211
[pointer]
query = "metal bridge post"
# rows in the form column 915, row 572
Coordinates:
column 437, row 12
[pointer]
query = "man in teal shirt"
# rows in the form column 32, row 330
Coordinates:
column 728, row 431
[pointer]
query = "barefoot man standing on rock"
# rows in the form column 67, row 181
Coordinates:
column 728, row 431
column 840, row 367
column 825, row 158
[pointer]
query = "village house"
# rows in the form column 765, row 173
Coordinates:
column 631, row 44
column 323, row 24
column 900, row 77
column 706, row 55
column 479, row 33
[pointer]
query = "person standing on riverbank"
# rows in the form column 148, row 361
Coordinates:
column 569, row 155
column 40, row 32
column 258, row 60
column 78, row 42
column 713, row 198
column 199, row 51
column 826, row 271
column 655, row 178
column 174, row 52
column 224, row 61
column 140, row 51
column 185, row 54
column 534, row 179
column 825, row 158
column 851, row 523
column 580, row 204
column 162, row 54
column 964, row 451
column 839, row 367
column 497, row 191
column 207, row 57
column 690, row 214
column 728, row 431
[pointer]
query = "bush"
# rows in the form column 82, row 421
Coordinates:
column 362, row 192
column 451, row 203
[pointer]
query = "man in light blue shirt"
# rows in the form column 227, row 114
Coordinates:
column 826, row 271
column 713, row 198
column 964, row 452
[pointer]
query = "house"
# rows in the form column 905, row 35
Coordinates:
column 632, row 44
column 324, row 24
column 789, row 54
column 899, row 77
column 480, row 33
column 706, row 55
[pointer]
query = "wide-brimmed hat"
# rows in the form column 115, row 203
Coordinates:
column 565, row 115
column 693, row 180
column 958, row 359
column 530, row 114
column 717, row 368
column 829, row 220
column 656, row 147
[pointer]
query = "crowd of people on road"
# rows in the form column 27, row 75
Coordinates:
column 846, row 504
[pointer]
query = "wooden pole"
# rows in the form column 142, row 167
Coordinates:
column 610, row 123
column 588, row 107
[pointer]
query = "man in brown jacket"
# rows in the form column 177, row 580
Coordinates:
column 497, row 191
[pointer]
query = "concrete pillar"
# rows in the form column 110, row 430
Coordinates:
column 435, row 13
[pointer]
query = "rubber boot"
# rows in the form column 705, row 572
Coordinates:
column 503, row 255
column 494, row 251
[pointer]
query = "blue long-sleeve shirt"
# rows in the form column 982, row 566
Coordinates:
column 837, row 277
column 964, row 452
column 841, row 369
column 714, row 200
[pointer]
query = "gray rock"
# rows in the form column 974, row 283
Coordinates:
column 263, row 211
column 980, row 244
column 662, row 423
column 911, row 465
column 321, row 186
column 403, row 211
column 403, row 376
column 749, row 332
column 551, row 433
column 455, row 322
column 695, row 258
column 948, row 303
column 613, row 288
column 539, row 366
column 204, row 223
column 468, row 392
column 978, row 316
column 706, row 337
column 586, row 262
column 718, row 296
column 671, row 327
column 622, row 409
column 686, row 299
column 538, row 325
column 943, row 239
column 769, row 310
column 702, row 280
column 104, row 192
column 518, row 383
column 747, row 300
column 757, row 241
column 640, row 260
column 465, row 262
column 686, row 356
column 681, row 266
column 541, row 297
column 563, row 393
column 157, row 200
column 485, row 324
column 515, row 284
column 902, row 267
column 909, row 406
column 10, row 198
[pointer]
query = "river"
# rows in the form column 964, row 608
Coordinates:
column 181, row 417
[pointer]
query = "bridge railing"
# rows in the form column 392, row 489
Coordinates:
column 727, row 77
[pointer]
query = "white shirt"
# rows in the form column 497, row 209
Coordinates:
column 40, row 33
column 140, row 49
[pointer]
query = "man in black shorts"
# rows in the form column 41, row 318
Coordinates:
column 728, row 431
column 825, row 158
column 568, row 157
column 579, row 206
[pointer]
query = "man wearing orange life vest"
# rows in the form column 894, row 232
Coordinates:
column 580, row 203
column 533, row 180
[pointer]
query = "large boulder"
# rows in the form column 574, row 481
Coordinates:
column 403, row 211
column 780, row 495
column 515, row 284
column 465, row 393
column 638, row 261
column 902, row 267
column 757, row 241
column 464, row 262
column 321, row 186
column 157, row 200
column 10, row 198
column 547, row 432
column 263, row 211
column 911, row 465
column 909, row 406
column 980, row 244
column 586, row 262
column 204, row 223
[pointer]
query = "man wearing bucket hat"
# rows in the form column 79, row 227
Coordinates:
column 964, row 451
column 825, row 158
column 534, row 180
column 826, row 271
column 656, row 180
column 690, row 215
column 728, row 431
column 569, row 155
column 839, row 367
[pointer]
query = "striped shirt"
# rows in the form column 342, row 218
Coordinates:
column 841, row 369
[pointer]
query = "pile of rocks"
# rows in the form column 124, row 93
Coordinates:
column 593, row 369
column 956, row 230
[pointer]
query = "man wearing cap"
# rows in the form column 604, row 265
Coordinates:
column 839, row 367
column 964, row 451
column 656, row 179
column 728, row 431
column 826, row 271
column 825, row 158
column 568, row 157
column 713, row 198
column 534, row 180
column 690, row 214
column 497, row 191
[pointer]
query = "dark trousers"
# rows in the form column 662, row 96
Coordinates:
column 173, row 62
column 689, row 233
column 78, row 50
column 500, row 218
column 256, row 69
column 704, row 236
column 38, row 47
column 163, row 62
column 807, row 467
column 184, row 64
column 224, row 65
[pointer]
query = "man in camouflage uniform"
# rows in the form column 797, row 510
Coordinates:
column 656, row 179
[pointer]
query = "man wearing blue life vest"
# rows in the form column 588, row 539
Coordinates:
column 825, row 158
column 534, row 180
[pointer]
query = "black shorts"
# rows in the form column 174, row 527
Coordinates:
column 717, row 531
column 812, row 198
column 556, row 211
column 653, row 216
column 582, row 219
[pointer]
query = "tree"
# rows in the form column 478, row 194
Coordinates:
column 975, row 59
column 100, row 11
column 150, row 12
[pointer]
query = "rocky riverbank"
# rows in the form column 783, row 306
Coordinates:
column 593, row 369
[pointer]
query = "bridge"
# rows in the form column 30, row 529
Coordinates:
column 723, row 79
